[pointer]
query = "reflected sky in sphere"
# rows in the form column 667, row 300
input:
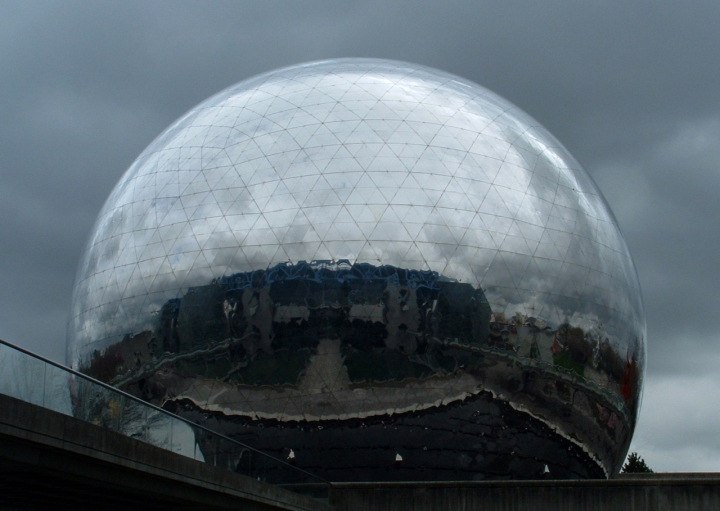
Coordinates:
column 368, row 161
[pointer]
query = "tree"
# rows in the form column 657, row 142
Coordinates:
column 636, row 465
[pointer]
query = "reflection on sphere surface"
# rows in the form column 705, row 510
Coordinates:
column 359, row 259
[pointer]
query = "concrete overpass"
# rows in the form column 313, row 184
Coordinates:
column 52, row 460
column 49, row 458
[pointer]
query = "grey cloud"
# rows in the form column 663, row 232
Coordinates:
column 677, row 430
column 629, row 88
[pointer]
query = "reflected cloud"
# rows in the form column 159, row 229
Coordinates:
column 321, row 170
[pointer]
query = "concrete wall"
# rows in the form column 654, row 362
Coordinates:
column 655, row 492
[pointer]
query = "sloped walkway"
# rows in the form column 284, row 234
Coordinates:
column 51, row 460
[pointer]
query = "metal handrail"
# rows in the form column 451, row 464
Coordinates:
column 159, row 409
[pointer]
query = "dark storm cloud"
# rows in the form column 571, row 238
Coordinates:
column 630, row 88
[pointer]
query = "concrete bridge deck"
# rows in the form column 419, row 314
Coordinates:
column 53, row 461
column 50, row 460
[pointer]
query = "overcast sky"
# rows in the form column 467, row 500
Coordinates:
column 631, row 88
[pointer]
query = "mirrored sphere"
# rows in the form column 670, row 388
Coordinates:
column 376, row 270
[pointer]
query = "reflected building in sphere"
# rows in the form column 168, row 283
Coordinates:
column 376, row 270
